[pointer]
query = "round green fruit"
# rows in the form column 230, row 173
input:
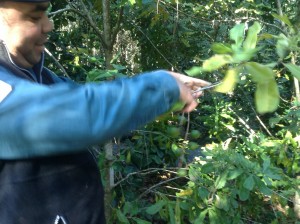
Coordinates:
column 195, row 134
column 173, row 132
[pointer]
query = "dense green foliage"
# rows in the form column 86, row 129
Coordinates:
column 233, row 160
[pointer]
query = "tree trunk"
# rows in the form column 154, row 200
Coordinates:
column 109, row 172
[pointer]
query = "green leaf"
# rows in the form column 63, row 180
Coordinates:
column 267, row 163
column 221, row 180
column 178, row 106
column 216, row 62
column 237, row 34
column 220, row 48
column 262, row 187
column 229, row 82
column 267, row 97
column 194, row 71
column 273, row 174
column 201, row 217
column 294, row 69
column 267, row 93
column 243, row 55
column 153, row 209
column 284, row 19
column 222, row 203
column 208, row 168
column 203, row 193
column 260, row 73
column 282, row 46
column 251, row 39
column 249, row 183
column 243, row 194
column 121, row 217
column 233, row 174
column 140, row 221
column 171, row 214
column 177, row 212
column 212, row 216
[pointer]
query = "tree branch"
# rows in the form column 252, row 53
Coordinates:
column 117, row 27
column 57, row 63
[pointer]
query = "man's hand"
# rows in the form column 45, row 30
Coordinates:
column 186, row 86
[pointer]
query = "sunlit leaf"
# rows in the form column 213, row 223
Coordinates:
column 266, row 97
column 216, row 62
column 221, row 180
column 186, row 192
column 222, row 203
column 194, row 71
column 251, row 39
column 229, row 82
column 233, row 174
column 260, row 73
column 241, row 55
column 237, row 34
column 294, row 69
column 220, row 48
column 76, row 61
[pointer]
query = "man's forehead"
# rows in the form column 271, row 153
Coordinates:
column 29, row 6
column 29, row 1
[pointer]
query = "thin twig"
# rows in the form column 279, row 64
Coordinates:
column 145, row 172
column 156, row 185
column 257, row 117
column 248, row 129
column 57, row 63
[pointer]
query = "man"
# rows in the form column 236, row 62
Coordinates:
column 47, row 122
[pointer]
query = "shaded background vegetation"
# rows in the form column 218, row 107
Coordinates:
column 223, row 162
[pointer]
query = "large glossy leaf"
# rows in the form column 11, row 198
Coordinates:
column 237, row 34
column 216, row 62
column 260, row 73
column 267, row 97
column 267, row 93
column 229, row 82
column 251, row 39
column 294, row 69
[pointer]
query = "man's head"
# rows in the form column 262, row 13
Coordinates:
column 24, row 28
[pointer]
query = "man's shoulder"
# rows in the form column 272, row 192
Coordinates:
column 56, row 78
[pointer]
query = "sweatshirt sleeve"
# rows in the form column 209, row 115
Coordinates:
column 38, row 120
